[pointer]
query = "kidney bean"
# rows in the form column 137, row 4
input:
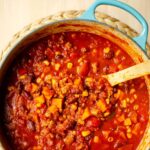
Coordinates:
column 83, row 69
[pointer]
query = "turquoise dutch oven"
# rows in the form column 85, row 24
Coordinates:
column 135, row 47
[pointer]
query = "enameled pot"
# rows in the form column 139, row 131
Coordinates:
column 87, row 22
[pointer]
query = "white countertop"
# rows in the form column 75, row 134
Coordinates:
column 15, row 14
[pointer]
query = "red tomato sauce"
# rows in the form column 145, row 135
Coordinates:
column 57, row 99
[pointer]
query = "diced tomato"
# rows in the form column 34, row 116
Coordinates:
column 93, row 122
column 73, row 55
column 22, row 71
column 119, row 143
column 113, row 68
column 126, row 147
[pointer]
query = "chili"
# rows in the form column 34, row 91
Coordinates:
column 57, row 99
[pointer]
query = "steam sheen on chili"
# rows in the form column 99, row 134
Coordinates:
column 57, row 99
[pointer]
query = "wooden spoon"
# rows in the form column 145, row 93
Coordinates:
column 129, row 73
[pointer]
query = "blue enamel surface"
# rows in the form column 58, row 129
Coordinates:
column 141, row 39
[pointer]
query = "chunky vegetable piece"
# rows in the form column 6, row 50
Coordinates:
column 57, row 99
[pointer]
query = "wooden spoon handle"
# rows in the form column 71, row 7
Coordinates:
column 129, row 73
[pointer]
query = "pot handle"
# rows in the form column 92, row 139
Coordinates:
column 141, row 39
